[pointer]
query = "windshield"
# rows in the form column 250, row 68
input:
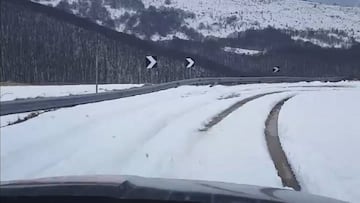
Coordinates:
column 256, row 92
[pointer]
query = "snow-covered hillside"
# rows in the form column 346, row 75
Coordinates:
column 226, row 18
column 283, row 14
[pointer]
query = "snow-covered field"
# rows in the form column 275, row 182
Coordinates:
column 25, row 92
column 157, row 135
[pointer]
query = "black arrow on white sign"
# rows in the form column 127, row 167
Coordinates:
column 151, row 62
column 189, row 62
column 276, row 69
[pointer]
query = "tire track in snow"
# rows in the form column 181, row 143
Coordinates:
column 150, row 147
column 127, row 152
column 161, row 123
column 219, row 117
column 277, row 154
column 65, row 137
column 161, row 152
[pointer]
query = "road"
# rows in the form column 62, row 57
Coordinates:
column 191, row 132
column 21, row 106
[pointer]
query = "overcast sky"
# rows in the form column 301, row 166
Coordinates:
column 341, row 2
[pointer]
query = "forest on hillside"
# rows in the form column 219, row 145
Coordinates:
column 42, row 44
column 296, row 58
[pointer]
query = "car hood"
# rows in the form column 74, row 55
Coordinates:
column 134, row 187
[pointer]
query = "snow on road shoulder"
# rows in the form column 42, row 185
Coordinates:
column 22, row 92
column 322, row 141
column 31, row 91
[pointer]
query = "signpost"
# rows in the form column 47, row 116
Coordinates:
column 189, row 62
column 151, row 62
column 96, row 71
column 276, row 69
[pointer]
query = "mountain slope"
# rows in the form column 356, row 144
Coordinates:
column 281, row 14
column 43, row 44
column 334, row 26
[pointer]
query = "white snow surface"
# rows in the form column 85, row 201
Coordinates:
column 157, row 135
column 49, row 2
column 33, row 91
column 322, row 141
column 344, row 43
column 242, row 51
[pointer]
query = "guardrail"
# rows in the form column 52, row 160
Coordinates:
column 28, row 105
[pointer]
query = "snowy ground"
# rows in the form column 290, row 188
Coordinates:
column 157, row 135
column 322, row 141
column 23, row 92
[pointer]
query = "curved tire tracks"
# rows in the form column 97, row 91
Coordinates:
column 277, row 154
column 219, row 117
